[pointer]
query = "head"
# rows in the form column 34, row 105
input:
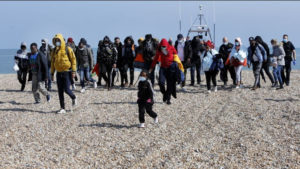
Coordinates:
column 148, row 37
column 274, row 42
column 82, row 40
column 128, row 40
column 143, row 75
column 179, row 37
column 164, row 46
column 33, row 48
column 140, row 41
column 106, row 40
column 209, row 45
column 70, row 40
column 81, row 45
column 58, row 41
column 201, row 37
column 117, row 40
column 285, row 38
column 23, row 46
column 225, row 40
column 252, row 41
column 188, row 38
column 44, row 42
column 170, row 41
column 237, row 43
column 258, row 39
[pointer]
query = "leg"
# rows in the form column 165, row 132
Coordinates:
column 125, row 73
column 114, row 73
column 109, row 78
column 162, row 80
column 67, row 84
column 81, row 74
column 198, row 69
column 288, row 68
column 214, row 77
column 193, row 74
column 208, row 77
column 267, row 70
column 131, row 73
column 278, row 72
column 35, row 88
column 149, row 110
column 42, row 89
column 232, row 74
column 275, row 73
column 141, row 112
column 283, row 75
column 60, row 87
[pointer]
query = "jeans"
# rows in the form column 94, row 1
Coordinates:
column 63, row 85
column 277, row 74
column 286, row 72
column 211, row 76
column 238, row 73
column 38, row 87
column 124, row 70
column 197, row 66
column 257, row 66
column 84, row 73
column 169, row 75
column 148, row 108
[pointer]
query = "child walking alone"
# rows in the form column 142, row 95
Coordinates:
column 145, row 99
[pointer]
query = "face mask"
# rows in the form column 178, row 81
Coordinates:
column 142, row 79
column 285, row 40
column 164, row 50
column 81, row 48
column 237, row 43
column 57, row 44
column 225, row 43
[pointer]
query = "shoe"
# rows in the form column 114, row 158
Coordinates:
column 22, row 88
column 62, row 111
column 168, row 102
column 73, row 87
column 208, row 91
column 254, row 88
column 164, row 98
column 192, row 84
column 126, row 84
column 82, row 90
column 95, row 85
column 237, row 87
column 37, row 102
column 275, row 84
column 74, row 102
column 156, row 120
column 183, row 89
column 122, row 85
column 281, row 87
column 216, row 89
column 142, row 125
column 99, row 84
column 48, row 97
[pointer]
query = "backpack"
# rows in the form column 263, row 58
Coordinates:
column 68, row 54
column 263, row 52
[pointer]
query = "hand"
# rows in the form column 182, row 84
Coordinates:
column 149, row 101
column 114, row 65
column 294, row 62
column 73, row 74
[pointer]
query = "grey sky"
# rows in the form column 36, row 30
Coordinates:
column 32, row 21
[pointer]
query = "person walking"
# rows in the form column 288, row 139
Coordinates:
column 238, row 59
column 290, row 57
column 224, row 51
column 277, row 62
column 21, row 59
column 39, row 68
column 149, row 51
column 46, row 49
column 197, row 48
column 63, row 61
column 127, row 59
column 145, row 99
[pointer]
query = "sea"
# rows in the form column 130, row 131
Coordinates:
column 7, row 60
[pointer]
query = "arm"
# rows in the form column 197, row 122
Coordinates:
column 44, row 65
column 72, row 59
column 115, row 55
column 282, row 53
column 52, row 62
column 154, row 61
column 91, row 58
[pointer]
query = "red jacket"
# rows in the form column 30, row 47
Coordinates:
column 166, row 60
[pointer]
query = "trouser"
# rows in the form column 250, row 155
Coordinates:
column 48, row 84
column 124, row 70
column 265, row 67
column 99, row 75
column 169, row 75
column 196, row 66
column 84, row 73
column 38, row 87
column 148, row 108
column 71, row 78
column 238, row 73
column 286, row 72
column 22, row 74
column 63, row 85
column 151, row 75
column 211, row 76
column 257, row 66
column 106, row 70
column 224, row 76
column 277, row 74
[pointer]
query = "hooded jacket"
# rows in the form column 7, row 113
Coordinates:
column 46, row 51
column 278, row 55
column 109, row 53
column 84, row 57
column 21, row 59
column 266, row 47
column 166, row 60
column 128, row 51
column 61, row 61
column 258, row 52
column 149, row 48
column 41, row 66
column 197, row 49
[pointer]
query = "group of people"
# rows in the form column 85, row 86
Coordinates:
column 67, row 60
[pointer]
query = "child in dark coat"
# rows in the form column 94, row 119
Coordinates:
column 145, row 99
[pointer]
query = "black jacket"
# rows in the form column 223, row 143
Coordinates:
column 149, row 51
column 42, row 66
column 266, row 47
column 225, row 50
column 197, row 49
column 128, row 51
column 187, row 49
column 109, row 53
column 145, row 91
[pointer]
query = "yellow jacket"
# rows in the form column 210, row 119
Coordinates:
column 60, row 61
column 177, row 60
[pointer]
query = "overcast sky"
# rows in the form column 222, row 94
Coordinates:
column 32, row 21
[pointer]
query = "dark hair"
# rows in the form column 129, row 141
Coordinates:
column 286, row 35
column 33, row 44
column 117, row 38
column 145, row 71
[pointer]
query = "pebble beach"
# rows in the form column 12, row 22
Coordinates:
column 231, row 128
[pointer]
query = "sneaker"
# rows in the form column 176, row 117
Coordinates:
column 37, row 102
column 216, row 89
column 48, row 97
column 168, row 102
column 74, row 102
column 142, row 125
column 237, row 87
column 73, row 87
column 62, row 111
column 156, row 120
column 95, row 85
column 209, row 91
column 82, row 90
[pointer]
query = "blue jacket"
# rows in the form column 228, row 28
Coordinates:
column 259, row 52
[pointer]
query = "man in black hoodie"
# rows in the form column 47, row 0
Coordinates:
column 119, row 46
column 39, row 69
column 149, row 50
column 197, row 48
column 108, row 60
column 266, row 63
column 128, row 56
column 224, row 51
